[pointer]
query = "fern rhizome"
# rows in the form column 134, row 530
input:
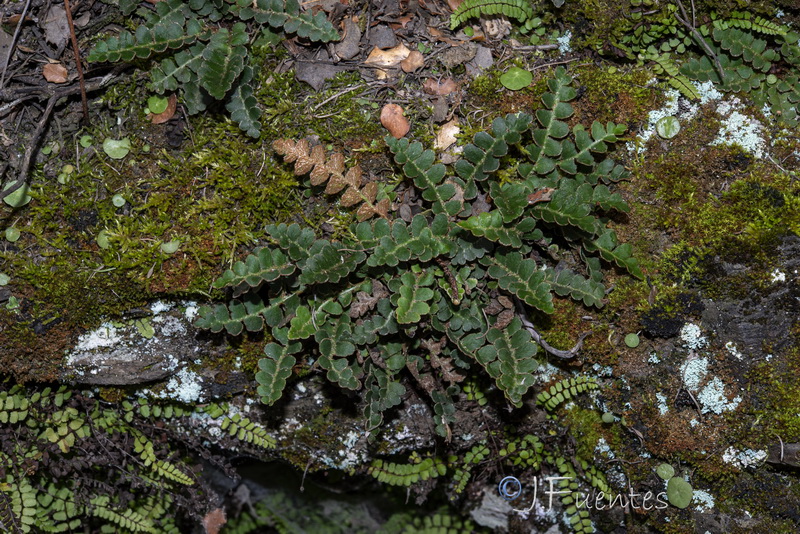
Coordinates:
column 445, row 293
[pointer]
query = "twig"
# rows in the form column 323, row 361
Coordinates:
column 27, row 160
column 537, row 337
column 14, row 42
column 77, row 52
column 699, row 38
column 44, row 120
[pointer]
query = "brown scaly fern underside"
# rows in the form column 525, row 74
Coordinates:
column 312, row 161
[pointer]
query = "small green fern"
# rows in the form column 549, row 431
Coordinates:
column 515, row 9
column 206, row 60
column 564, row 390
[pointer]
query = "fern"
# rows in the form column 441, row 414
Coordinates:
column 205, row 59
column 127, row 519
column 407, row 474
column 515, row 9
column 331, row 170
column 366, row 306
column 508, row 357
column 565, row 390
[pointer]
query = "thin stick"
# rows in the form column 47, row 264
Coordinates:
column 44, row 120
column 14, row 42
column 699, row 37
column 78, row 65
column 537, row 337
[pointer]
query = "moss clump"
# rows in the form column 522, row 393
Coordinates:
column 615, row 94
column 485, row 86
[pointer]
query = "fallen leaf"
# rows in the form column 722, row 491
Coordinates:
column 440, row 36
column 392, row 119
column 56, row 29
column 213, row 520
column 542, row 195
column 390, row 57
column 167, row 114
column 348, row 46
column 55, row 72
column 440, row 88
column 447, row 135
column 414, row 61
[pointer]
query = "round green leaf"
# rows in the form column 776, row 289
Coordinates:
column 85, row 141
column 665, row 471
column 608, row 418
column 117, row 148
column 170, row 247
column 118, row 200
column 668, row 127
column 4, row 279
column 632, row 340
column 679, row 492
column 157, row 104
column 12, row 234
column 102, row 240
column 772, row 79
column 18, row 198
column 516, row 78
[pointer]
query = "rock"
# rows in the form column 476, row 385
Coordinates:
column 458, row 55
column 135, row 351
column 493, row 512
column 382, row 37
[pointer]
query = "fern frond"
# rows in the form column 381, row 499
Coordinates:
column 565, row 390
column 665, row 65
column 515, row 9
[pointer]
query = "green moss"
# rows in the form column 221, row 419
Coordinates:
column 779, row 397
column 485, row 86
column 620, row 95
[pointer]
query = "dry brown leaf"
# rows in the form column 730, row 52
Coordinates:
column 304, row 164
column 353, row 176
column 291, row 150
column 453, row 4
column 382, row 208
column 369, row 192
column 214, row 520
column 364, row 212
column 55, row 72
column 167, row 114
column 447, row 135
column 440, row 88
column 391, row 57
column 323, row 170
column 393, row 120
column 440, row 36
column 55, row 26
column 364, row 302
column 350, row 197
column 504, row 319
column 542, row 195
column 414, row 61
